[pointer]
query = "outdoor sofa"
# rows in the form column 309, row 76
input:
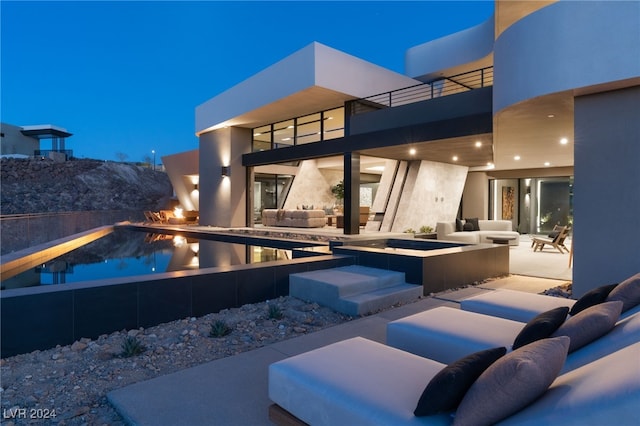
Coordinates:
column 455, row 231
column 294, row 218
column 358, row 381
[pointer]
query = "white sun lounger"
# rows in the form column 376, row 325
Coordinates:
column 512, row 304
column 361, row 382
column 446, row 334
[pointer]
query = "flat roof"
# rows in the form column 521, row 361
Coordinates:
column 45, row 131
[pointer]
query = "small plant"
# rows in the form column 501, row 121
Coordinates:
column 424, row 229
column 219, row 328
column 131, row 346
column 409, row 231
column 275, row 312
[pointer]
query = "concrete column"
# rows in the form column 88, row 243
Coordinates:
column 352, row 193
column 223, row 198
column 606, row 189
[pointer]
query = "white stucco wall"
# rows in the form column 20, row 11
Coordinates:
column 182, row 170
column 566, row 45
column 447, row 52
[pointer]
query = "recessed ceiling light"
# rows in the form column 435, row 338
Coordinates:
column 412, row 151
column 490, row 165
column 550, row 116
column 454, row 158
column 547, row 164
column 517, row 157
column 564, row 141
column 478, row 144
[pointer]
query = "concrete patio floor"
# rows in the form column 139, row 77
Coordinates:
column 234, row 390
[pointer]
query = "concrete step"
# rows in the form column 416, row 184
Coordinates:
column 343, row 281
column 373, row 301
column 353, row 290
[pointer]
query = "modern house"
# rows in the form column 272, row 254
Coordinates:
column 25, row 141
column 531, row 116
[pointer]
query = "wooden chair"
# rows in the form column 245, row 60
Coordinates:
column 557, row 241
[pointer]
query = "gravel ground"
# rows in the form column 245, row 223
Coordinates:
column 68, row 385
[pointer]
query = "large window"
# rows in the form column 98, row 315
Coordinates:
column 269, row 192
column 296, row 131
column 535, row 205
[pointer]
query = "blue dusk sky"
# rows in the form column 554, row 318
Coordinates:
column 126, row 77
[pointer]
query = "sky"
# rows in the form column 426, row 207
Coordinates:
column 125, row 77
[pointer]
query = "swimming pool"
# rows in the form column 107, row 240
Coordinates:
column 129, row 253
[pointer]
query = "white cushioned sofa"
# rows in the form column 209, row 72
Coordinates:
column 447, row 231
column 294, row 218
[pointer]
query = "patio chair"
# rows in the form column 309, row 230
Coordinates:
column 152, row 217
column 557, row 241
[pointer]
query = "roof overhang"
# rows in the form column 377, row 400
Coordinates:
column 312, row 79
column 45, row 131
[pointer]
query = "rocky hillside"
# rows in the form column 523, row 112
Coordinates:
column 38, row 186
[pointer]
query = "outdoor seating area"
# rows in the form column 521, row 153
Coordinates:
column 447, row 365
column 294, row 218
column 172, row 217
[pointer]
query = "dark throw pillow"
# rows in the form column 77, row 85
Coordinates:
column 468, row 227
column 474, row 222
column 459, row 225
column 553, row 234
column 447, row 388
column 541, row 326
column 512, row 382
column 590, row 298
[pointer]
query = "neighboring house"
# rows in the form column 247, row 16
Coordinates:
column 25, row 141
column 531, row 116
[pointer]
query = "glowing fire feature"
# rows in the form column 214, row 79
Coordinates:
column 177, row 212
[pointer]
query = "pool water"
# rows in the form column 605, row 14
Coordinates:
column 125, row 253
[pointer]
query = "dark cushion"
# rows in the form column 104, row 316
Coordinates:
column 541, row 326
column 553, row 234
column 474, row 221
column 468, row 227
column 447, row 388
column 512, row 382
column 590, row 324
column 592, row 297
column 628, row 292
column 459, row 225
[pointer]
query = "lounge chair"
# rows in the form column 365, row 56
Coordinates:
column 152, row 217
column 361, row 382
column 556, row 240
column 522, row 306
column 446, row 334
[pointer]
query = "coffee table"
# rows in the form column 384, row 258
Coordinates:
column 500, row 239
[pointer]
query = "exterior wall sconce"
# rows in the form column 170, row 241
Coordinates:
column 195, row 186
column 226, row 171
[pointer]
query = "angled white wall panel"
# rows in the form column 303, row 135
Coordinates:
column 564, row 46
column 451, row 51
